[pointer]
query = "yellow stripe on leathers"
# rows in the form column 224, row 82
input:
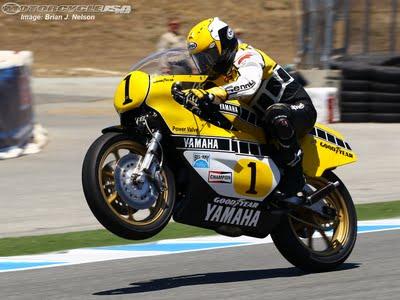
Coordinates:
column 319, row 154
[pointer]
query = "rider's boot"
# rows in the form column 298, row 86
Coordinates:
column 293, row 183
column 289, row 154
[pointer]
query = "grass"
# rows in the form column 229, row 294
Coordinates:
column 380, row 210
column 94, row 238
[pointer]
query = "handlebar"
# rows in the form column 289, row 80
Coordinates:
column 177, row 93
column 181, row 98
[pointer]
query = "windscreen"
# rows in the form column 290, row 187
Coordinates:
column 169, row 62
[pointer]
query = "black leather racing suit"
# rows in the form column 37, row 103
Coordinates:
column 282, row 104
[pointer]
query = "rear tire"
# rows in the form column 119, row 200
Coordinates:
column 290, row 244
column 117, row 216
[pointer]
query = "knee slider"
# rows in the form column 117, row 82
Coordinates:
column 283, row 128
column 275, row 110
column 277, row 118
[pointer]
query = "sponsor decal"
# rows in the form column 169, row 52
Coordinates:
column 297, row 107
column 336, row 149
column 229, row 108
column 201, row 160
column 233, row 89
column 185, row 129
column 232, row 215
column 219, row 177
column 192, row 46
column 218, row 144
column 201, row 143
column 163, row 80
column 236, row 202
column 243, row 113
column 244, row 57
column 318, row 132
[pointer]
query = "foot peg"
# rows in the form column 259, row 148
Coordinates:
column 320, row 194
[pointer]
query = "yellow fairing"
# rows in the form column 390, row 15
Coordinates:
column 182, row 121
column 321, row 152
column 324, row 150
column 241, row 124
column 242, row 174
column 131, row 91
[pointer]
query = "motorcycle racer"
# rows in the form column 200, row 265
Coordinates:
column 241, row 72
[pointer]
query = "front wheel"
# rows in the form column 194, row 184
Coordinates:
column 99, row 186
column 313, row 243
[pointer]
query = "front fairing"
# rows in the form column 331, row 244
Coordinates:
column 184, row 122
column 150, row 82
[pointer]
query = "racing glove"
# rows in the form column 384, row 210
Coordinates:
column 198, row 97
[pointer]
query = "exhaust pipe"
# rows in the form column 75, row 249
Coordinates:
column 322, row 193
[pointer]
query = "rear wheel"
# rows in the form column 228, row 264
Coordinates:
column 111, row 211
column 314, row 243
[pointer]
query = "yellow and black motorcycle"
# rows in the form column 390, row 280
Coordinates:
column 213, row 169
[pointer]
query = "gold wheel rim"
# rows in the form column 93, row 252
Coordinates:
column 341, row 225
column 107, row 186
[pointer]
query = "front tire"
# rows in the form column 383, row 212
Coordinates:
column 298, row 242
column 99, row 188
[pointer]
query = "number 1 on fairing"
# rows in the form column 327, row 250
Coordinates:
column 253, row 178
column 127, row 98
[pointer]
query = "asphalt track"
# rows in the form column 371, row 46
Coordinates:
column 248, row 272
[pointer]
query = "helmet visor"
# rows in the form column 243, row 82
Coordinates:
column 205, row 61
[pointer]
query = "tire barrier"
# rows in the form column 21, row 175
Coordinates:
column 370, row 93
column 16, row 113
column 355, row 85
column 364, row 85
column 370, row 117
column 353, row 71
column 382, row 108
column 385, row 87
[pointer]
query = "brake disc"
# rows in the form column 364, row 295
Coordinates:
column 139, row 194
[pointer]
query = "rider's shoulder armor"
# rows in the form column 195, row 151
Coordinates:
column 248, row 54
column 276, row 83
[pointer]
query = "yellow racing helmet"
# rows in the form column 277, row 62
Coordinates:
column 212, row 45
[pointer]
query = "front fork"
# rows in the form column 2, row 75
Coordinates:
column 150, row 168
column 150, row 153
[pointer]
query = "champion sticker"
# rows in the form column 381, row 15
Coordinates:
column 219, row 177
